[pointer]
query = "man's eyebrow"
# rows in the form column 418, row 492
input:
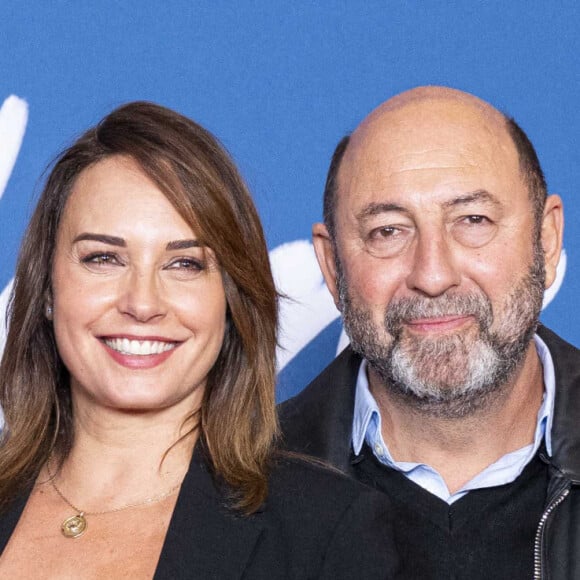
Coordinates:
column 480, row 195
column 377, row 208
column 183, row 244
column 110, row 240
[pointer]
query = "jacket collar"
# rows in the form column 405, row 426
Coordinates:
column 205, row 539
column 565, row 430
column 318, row 421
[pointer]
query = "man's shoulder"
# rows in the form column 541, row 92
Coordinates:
column 334, row 526
column 338, row 379
column 318, row 421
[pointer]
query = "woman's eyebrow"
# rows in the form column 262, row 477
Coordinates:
column 120, row 242
column 183, row 244
column 105, row 239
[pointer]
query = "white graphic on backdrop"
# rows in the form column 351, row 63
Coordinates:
column 308, row 307
column 551, row 292
column 3, row 303
column 13, row 120
column 311, row 309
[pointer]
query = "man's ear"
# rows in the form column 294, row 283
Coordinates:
column 552, row 235
column 324, row 249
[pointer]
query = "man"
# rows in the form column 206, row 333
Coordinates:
column 437, row 244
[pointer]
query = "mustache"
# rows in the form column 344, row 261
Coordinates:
column 404, row 310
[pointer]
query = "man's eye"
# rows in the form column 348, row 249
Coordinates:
column 386, row 241
column 474, row 230
column 384, row 232
column 476, row 219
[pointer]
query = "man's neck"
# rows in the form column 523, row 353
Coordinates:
column 460, row 448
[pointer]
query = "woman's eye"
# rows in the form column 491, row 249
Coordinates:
column 190, row 264
column 100, row 258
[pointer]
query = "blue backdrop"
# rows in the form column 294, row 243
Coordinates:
column 280, row 83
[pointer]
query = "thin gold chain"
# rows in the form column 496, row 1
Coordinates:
column 149, row 500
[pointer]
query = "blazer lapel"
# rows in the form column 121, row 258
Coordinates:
column 205, row 539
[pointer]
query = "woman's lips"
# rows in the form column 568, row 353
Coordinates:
column 138, row 353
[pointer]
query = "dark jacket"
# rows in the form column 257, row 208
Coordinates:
column 315, row 524
column 318, row 421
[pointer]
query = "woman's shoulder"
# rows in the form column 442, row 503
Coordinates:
column 329, row 518
column 309, row 488
column 293, row 472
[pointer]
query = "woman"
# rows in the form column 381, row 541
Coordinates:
column 137, row 380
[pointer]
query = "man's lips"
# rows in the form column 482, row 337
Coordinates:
column 438, row 323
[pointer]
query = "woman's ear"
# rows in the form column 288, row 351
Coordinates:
column 48, row 307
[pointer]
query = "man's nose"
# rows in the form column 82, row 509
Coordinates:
column 434, row 269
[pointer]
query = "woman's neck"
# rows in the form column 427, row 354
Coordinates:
column 122, row 457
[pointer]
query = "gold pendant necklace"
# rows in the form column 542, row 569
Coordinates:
column 75, row 526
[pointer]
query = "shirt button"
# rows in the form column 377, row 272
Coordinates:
column 378, row 449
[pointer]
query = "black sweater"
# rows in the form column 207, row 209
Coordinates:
column 487, row 534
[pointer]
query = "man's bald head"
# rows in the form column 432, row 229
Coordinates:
column 431, row 108
column 438, row 244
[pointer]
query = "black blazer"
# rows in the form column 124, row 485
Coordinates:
column 315, row 524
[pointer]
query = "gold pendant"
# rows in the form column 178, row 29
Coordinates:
column 74, row 526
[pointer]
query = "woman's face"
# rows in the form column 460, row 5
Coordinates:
column 139, row 307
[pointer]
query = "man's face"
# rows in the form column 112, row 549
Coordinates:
column 451, row 374
column 439, row 272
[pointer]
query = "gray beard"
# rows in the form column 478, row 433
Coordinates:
column 455, row 375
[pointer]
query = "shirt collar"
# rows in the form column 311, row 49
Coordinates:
column 367, row 415
column 365, row 407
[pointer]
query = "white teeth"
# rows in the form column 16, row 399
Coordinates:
column 138, row 347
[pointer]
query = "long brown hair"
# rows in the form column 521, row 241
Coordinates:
column 237, row 420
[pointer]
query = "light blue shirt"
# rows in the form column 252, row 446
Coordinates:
column 367, row 427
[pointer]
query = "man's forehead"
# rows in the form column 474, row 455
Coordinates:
column 426, row 131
